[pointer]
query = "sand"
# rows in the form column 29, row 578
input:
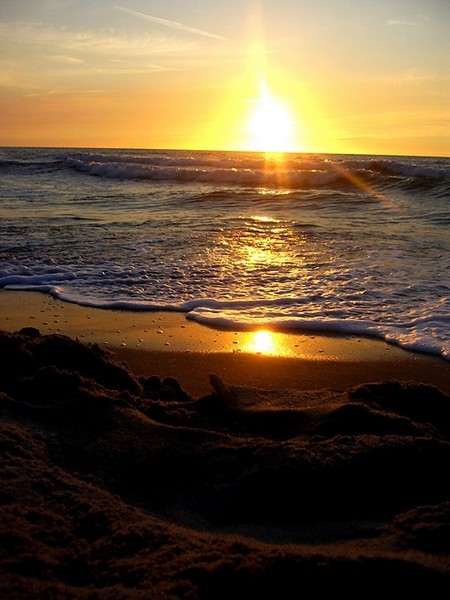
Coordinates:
column 319, row 469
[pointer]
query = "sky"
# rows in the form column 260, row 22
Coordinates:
column 338, row 76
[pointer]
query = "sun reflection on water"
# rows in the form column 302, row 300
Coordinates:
column 263, row 219
column 263, row 246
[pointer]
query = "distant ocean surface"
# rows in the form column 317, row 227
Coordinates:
column 349, row 244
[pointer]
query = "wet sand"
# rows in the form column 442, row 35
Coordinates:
column 167, row 344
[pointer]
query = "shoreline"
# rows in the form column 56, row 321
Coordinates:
column 167, row 344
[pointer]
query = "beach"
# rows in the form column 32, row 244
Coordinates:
column 148, row 456
column 224, row 300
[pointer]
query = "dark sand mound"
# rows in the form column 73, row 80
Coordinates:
column 120, row 487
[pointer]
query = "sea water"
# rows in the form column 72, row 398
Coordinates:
column 338, row 243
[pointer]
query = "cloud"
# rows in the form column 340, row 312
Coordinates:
column 410, row 77
column 66, row 59
column 65, row 41
column 172, row 24
column 37, row 56
column 49, row 93
column 394, row 23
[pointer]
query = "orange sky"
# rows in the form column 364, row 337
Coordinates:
column 362, row 76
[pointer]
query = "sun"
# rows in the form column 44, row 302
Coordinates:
column 271, row 127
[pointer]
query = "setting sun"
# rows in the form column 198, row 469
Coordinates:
column 271, row 126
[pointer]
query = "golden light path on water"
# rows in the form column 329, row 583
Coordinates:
column 263, row 247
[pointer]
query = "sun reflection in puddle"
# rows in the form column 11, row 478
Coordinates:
column 261, row 342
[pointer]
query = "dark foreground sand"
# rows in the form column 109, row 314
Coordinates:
column 117, row 485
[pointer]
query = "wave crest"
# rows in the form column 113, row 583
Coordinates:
column 292, row 172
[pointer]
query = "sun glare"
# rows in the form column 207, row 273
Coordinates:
column 261, row 342
column 271, row 125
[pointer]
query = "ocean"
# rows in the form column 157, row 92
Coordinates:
column 349, row 244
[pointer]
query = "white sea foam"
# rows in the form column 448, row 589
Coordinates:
column 426, row 333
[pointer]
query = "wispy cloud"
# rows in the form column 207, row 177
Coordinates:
column 66, row 59
column 408, row 78
column 36, row 56
column 50, row 93
column 65, row 41
column 172, row 24
column 394, row 23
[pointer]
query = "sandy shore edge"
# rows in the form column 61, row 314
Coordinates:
column 168, row 345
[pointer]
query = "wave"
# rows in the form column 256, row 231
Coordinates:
column 290, row 171
column 18, row 167
column 296, row 172
column 248, row 177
